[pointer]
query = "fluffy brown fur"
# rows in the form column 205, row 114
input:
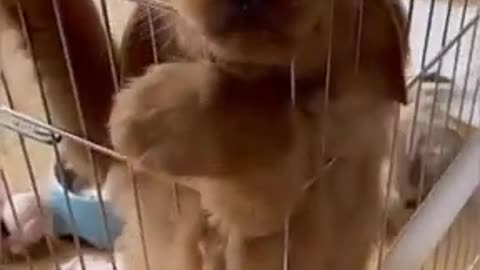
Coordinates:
column 221, row 123
column 88, row 52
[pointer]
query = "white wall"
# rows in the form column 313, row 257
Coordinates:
column 417, row 41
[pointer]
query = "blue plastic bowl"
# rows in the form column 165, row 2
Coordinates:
column 87, row 217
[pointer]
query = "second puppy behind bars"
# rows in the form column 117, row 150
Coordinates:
column 277, row 116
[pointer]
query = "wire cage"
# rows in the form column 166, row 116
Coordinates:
column 431, row 223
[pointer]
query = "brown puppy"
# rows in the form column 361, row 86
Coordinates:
column 431, row 159
column 418, row 175
column 434, row 154
column 87, row 47
column 225, row 122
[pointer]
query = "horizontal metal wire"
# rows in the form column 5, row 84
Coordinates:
column 59, row 132
column 470, row 25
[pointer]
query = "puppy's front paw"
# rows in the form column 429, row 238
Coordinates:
column 155, row 120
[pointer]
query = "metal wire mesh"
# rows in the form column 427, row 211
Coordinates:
column 444, row 83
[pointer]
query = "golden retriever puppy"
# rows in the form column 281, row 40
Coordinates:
column 207, row 150
column 91, row 73
column 433, row 154
column 430, row 159
column 419, row 168
column 222, row 123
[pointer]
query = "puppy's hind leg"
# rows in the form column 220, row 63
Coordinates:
column 91, row 75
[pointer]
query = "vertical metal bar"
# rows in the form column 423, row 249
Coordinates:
column 476, row 240
column 429, row 132
column 328, row 77
column 56, row 150
column 443, row 51
column 440, row 63
column 436, row 255
column 392, row 155
column 455, row 62
column 6, row 187
column 458, row 247
column 176, row 199
column 153, row 37
column 429, row 135
column 358, row 38
column 31, row 174
column 154, row 10
column 391, row 169
column 286, row 244
column 72, row 221
column 435, row 101
column 77, row 139
column 422, row 65
column 2, row 251
column 448, row 247
column 468, row 232
column 474, row 263
column 469, row 64
column 131, row 174
column 474, row 105
column 66, row 53
column 110, row 46
column 411, row 8
column 439, row 210
column 293, row 81
column 153, row 42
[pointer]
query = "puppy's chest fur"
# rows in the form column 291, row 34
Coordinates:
column 243, row 144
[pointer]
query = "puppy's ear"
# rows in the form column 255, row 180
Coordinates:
column 384, row 46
